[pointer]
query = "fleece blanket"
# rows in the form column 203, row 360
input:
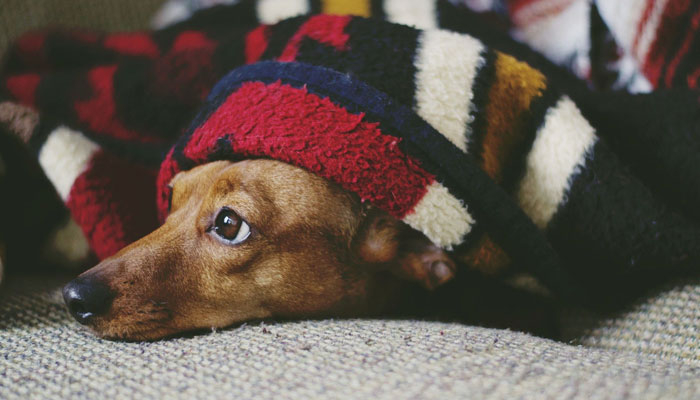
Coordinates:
column 637, row 45
column 518, row 167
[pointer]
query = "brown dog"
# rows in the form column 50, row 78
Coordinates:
column 254, row 239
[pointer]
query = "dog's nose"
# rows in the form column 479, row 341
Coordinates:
column 87, row 298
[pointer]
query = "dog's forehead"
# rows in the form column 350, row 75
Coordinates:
column 262, row 187
column 281, row 183
column 199, row 174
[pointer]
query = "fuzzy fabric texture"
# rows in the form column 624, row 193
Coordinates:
column 638, row 45
column 476, row 149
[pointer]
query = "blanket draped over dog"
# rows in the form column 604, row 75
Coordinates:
column 517, row 167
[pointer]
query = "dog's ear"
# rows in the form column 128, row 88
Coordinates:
column 387, row 243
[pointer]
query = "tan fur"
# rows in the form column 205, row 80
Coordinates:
column 314, row 250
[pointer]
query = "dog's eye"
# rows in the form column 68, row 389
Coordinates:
column 230, row 227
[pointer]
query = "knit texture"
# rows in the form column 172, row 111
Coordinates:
column 44, row 353
column 508, row 168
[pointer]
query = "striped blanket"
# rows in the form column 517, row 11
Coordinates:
column 637, row 45
column 515, row 166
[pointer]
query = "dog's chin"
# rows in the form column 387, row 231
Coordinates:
column 132, row 332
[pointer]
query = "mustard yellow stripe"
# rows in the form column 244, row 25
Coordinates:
column 361, row 8
column 514, row 87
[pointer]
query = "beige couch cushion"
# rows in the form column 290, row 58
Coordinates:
column 664, row 324
column 44, row 354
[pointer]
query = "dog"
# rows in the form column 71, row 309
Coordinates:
column 255, row 239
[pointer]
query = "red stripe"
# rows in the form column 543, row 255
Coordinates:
column 32, row 42
column 532, row 16
column 191, row 40
column 514, row 6
column 112, row 202
column 187, row 72
column 673, row 65
column 132, row 44
column 693, row 78
column 666, row 34
column 294, row 126
column 256, row 42
column 326, row 29
column 23, row 88
column 642, row 23
column 30, row 49
column 99, row 113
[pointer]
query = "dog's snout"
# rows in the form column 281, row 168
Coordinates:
column 87, row 298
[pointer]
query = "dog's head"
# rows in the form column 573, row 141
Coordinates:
column 254, row 239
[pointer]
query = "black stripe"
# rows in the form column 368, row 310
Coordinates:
column 315, row 6
column 141, row 108
column 41, row 132
column 229, row 54
column 280, row 35
column 632, row 235
column 65, row 52
column 481, row 88
column 602, row 50
column 377, row 9
column 514, row 167
column 368, row 59
column 58, row 91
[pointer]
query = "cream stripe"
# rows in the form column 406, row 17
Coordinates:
column 273, row 11
column 64, row 156
column 622, row 17
column 446, row 65
column 649, row 30
column 562, row 36
column 419, row 13
column 558, row 152
column 441, row 217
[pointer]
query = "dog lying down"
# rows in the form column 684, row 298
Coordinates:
column 281, row 202
column 327, row 184
column 254, row 239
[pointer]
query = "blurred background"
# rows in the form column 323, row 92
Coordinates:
column 19, row 16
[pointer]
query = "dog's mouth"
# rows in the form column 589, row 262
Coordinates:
column 133, row 333
column 147, row 323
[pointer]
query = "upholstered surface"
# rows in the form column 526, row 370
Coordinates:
column 664, row 324
column 44, row 354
